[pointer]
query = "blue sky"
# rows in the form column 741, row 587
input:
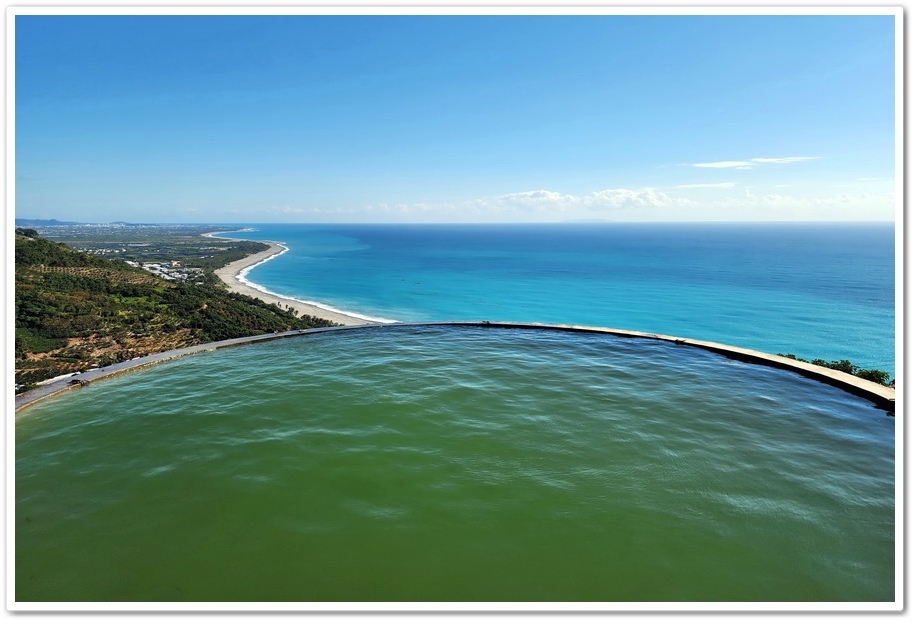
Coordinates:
column 454, row 118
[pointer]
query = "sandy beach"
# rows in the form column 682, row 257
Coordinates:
column 229, row 275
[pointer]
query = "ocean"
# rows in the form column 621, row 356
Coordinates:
column 822, row 290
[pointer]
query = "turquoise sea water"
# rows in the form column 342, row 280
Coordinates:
column 815, row 290
column 455, row 464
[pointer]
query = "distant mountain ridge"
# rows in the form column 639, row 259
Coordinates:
column 53, row 222
column 40, row 222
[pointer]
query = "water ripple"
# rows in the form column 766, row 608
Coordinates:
column 441, row 464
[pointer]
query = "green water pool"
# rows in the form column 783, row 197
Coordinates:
column 445, row 464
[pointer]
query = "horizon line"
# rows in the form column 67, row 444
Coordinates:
column 565, row 222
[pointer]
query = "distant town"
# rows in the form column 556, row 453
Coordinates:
column 177, row 252
column 171, row 270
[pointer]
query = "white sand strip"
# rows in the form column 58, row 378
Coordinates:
column 232, row 275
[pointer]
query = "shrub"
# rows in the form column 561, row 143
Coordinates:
column 844, row 365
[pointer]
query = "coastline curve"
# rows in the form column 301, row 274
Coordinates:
column 235, row 277
column 883, row 397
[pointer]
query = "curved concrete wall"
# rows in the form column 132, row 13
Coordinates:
column 883, row 397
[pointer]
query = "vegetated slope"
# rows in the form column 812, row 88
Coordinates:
column 75, row 311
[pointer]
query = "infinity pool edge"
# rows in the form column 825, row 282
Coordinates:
column 883, row 397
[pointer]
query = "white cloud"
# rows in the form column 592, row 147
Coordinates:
column 652, row 204
column 532, row 199
column 554, row 202
column 537, row 195
column 715, row 185
column 753, row 162
column 537, row 205
column 775, row 206
column 725, row 164
column 284, row 210
column 620, row 198
column 783, row 160
column 721, row 201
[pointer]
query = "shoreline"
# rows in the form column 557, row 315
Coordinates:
column 233, row 275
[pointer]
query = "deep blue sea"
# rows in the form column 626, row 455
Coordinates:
column 814, row 290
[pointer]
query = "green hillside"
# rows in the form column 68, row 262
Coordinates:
column 75, row 311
